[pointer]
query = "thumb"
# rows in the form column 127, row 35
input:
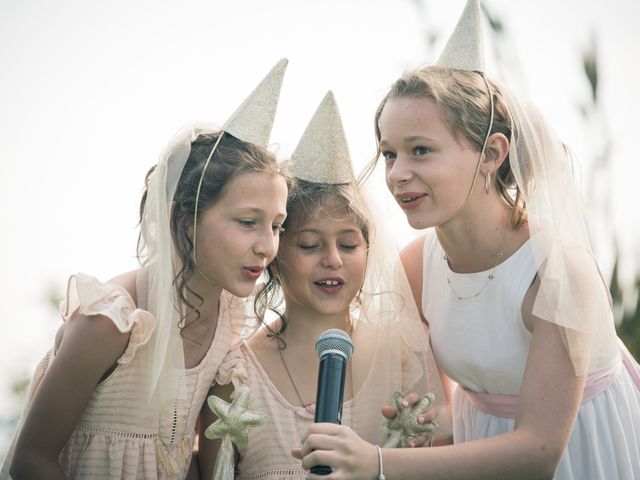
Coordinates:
column 389, row 412
column 297, row 453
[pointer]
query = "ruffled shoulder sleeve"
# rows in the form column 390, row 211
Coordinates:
column 88, row 296
column 233, row 369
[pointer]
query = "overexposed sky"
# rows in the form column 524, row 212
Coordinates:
column 90, row 92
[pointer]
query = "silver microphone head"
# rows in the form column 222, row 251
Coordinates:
column 334, row 340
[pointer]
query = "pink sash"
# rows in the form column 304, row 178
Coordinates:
column 597, row 382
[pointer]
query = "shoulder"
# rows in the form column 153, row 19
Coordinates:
column 263, row 347
column 412, row 261
column 127, row 281
column 108, row 337
column 411, row 255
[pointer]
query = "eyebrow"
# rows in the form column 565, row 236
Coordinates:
column 320, row 232
column 256, row 210
column 410, row 139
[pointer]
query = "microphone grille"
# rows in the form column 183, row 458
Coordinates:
column 334, row 339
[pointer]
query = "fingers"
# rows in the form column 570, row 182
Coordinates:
column 320, row 436
column 410, row 400
column 442, row 440
column 419, row 441
column 428, row 416
column 297, row 453
column 320, row 457
column 389, row 412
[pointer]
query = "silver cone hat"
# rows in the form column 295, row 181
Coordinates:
column 465, row 48
column 322, row 154
column 252, row 121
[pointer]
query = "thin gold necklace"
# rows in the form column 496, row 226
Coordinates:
column 306, row 405
column 489, row 277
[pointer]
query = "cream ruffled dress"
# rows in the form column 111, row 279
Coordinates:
column 112, row 439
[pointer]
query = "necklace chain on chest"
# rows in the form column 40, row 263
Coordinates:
column 490, row 276
column 295, row 388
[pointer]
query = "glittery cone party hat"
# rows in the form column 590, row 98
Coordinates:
column 322, row 154
column 465, row 48
column 253, row 120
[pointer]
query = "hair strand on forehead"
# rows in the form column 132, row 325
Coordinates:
column 306, row 201
column 463, row 100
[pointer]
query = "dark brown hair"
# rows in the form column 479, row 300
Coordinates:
column 231, row 158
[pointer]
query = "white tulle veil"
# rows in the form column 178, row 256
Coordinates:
column 164, row 361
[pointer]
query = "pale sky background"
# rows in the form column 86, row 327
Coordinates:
column 90, row 92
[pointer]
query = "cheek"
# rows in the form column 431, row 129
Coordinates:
column 359, row 268
column 387, row 170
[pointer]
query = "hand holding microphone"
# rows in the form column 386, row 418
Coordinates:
column 334, row 348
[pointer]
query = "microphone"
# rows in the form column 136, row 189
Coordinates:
column 334, row 348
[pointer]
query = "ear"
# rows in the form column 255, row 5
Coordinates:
column 495, row 153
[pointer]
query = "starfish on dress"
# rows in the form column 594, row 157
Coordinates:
column 401, row 429
column 235, row 418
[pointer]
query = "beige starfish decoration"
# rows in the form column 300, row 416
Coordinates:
column 234, row 420
column 401, row 429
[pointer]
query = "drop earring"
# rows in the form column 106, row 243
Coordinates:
column 487, row 181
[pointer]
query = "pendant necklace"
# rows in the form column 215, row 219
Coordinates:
column 306, row 405
column 490, row 276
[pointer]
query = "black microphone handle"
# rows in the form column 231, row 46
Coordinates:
column 330, row 393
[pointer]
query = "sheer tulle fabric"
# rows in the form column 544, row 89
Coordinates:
column 157, row 254
column 572, row 293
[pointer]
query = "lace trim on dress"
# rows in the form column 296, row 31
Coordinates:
column 286, row 474
column 84, row 427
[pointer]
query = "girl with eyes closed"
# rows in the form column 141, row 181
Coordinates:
column 519, row 315
column 330, row 272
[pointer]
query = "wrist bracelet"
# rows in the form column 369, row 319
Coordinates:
column 381, row 473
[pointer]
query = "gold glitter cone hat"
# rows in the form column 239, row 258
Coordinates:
column 465, row 48
column 322, row 154
column 253, row 120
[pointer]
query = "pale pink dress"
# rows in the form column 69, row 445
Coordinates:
column 482, row 344
column 112, row 440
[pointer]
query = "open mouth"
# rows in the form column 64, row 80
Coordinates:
column 329, row 283
column 410, row 200
column 252, row 273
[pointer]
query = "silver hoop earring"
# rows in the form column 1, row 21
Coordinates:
column 487, row 181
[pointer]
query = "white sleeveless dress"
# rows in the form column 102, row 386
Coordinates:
column 482, row 344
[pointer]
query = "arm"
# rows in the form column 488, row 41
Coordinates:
column 90, row 346
column 208, row 449
column 412, row 262
column 549, row 401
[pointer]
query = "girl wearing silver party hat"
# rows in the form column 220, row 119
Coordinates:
column 520, row 317
column 334, row 270
column 119, row 394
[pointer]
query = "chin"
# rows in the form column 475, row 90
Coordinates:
column 241, row 290
column 332, row 309
column 417, row 222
